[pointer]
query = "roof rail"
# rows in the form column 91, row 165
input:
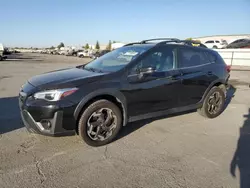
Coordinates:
column 185, row 42
column 144, row 41
column 129, row 44
column 166, row 39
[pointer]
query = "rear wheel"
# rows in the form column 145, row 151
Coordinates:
column 215, row 47
column 213, row 104
column 100, row 123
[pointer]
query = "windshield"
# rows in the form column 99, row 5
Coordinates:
column 116, row 60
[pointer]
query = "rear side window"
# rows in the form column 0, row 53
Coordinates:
column 189, row 57
column 217, row 41
column 209, row 42
column 211, row 57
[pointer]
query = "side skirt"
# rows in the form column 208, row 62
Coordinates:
column 164, row 112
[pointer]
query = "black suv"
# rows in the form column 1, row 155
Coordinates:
column 137, row 81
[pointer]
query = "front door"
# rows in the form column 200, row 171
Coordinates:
column 154, row 91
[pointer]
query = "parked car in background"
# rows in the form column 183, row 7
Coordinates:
column 240, row 43
column 2, row 51
column 99, row 54
column 6, row 51
column 215, row 44
column 63, row 52
column 84, row 53
column 137, row 81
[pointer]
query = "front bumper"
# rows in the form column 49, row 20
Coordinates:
column 55, row 128
column 42, row 117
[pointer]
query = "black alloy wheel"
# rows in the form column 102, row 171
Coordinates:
column 100, row 123
column 213, row 104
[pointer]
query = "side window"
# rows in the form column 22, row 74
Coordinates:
column 217, row 41
column 209, row 42
column 211, row 57
column 190, row 57
column 162, row 59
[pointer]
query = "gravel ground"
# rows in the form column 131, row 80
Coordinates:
column 181, row 151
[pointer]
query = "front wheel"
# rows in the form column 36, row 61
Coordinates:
column 100, row 123
column 213, row 104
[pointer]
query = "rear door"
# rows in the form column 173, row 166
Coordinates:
column 197, row 74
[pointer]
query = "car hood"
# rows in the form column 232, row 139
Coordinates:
column 63, row 77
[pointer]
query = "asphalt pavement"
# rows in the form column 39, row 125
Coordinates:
column 179, row 151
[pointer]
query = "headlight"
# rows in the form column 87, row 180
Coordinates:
column 55, row 95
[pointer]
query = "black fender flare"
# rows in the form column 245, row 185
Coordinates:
column 215, row 82
column 112, row 92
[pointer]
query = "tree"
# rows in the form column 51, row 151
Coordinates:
column 86, row 46
column 60, row 45
column 97, row 46
column 52, row 47
column 109, row 45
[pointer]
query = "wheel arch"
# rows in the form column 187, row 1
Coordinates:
column 111, row 95
column 218, row 83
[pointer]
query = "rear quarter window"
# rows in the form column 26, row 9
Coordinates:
column 189, row 57
column 211, row 57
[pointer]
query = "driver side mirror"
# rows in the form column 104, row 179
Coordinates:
column 144, row 72
column 142, row 75
column 147, row 70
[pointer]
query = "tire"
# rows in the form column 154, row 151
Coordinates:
column 205, row 109
column 215, row 47
column 87, row 114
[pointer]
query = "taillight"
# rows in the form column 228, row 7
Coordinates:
column 228, row 68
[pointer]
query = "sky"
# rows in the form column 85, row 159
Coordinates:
column 43, row 23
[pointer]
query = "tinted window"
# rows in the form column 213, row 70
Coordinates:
column 211, row 57
column 210, row 41
column 117, row 59
column 217, row 41
column 162, row 59
column 191, row 57
column 238, row 41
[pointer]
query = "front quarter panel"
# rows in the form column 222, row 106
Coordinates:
column 99, row 90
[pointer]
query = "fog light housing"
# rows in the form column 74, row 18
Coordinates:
column 46, row 124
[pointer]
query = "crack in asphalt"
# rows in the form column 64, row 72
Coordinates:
column 4, row 77
column 39, row 170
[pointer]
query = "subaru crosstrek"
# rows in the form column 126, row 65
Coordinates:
column 140, row 80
